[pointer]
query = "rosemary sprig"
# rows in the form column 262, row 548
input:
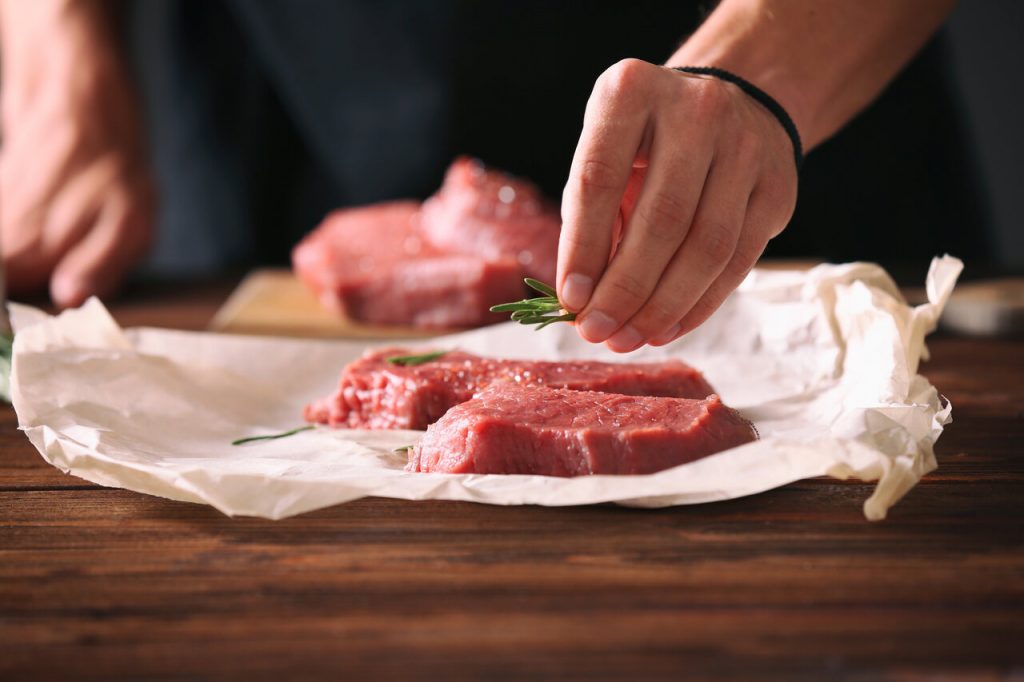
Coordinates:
column 404, row 449
column 242, row 441
column 541, row 311
column 6, row 355
column 410, row 360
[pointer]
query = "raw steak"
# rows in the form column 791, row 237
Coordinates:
column 375, row 394
column 509, row 429
column 372, row 264
column 486, row 212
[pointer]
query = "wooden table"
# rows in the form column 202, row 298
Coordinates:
column 790, row 584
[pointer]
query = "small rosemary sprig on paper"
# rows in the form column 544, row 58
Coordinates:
column 242, row 441
column 410, row 360
column 541, row 311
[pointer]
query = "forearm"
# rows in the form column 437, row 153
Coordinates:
column 823, row 61
column 65, row 44
column 23, row 24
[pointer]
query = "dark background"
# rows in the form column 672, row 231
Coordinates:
column 988, row 50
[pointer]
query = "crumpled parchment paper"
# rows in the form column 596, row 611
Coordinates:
column 824, row 362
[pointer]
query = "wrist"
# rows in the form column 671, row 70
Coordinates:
column 736, row 41
column 769, row 103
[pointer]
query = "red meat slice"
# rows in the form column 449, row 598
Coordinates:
column 375, row 394
column 486, row 212
column 509, row 429
column 372, row 264
column 441, row 265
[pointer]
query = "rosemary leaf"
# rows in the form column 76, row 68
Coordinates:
column 516, row 305
column 537, row 285
column 242, row 441
column 521, row 315
column 405, row 448
column 410, row 360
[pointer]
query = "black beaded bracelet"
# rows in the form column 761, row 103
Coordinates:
column 762, row 97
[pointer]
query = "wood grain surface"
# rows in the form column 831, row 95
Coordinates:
column 106, row 584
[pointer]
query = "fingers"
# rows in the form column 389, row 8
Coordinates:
column 613, row 133
column 84, row 238
column 41, row 239
column 707, row 249
column 76, row 206
column 86, row 203
column 36, row 163
column 30, row 175
column 763, row 220
column 97, row 263
column 657, row 226
column 742, row 262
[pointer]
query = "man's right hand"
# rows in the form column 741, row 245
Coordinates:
column 75, row 193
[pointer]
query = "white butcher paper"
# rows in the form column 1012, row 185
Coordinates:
column 824, row 362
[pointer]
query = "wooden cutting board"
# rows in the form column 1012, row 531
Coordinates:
column 273, row 302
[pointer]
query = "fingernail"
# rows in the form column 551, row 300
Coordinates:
column 66, row 291
column 625, row 340
column 666, row 337
column 576, row 291
column 596, row 326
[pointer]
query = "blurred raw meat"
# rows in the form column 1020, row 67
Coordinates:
column 494, row 215
column 372, row 264
column 439, row 265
